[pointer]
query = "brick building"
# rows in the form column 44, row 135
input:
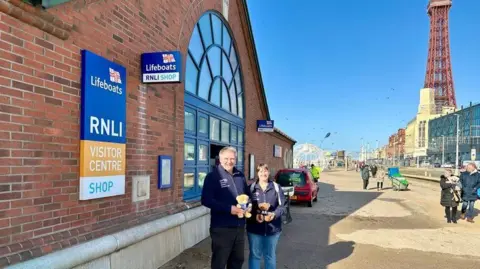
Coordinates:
column 396, row 144
column 40, row 112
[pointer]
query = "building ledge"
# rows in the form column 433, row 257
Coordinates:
column 278, row 131
column 36, row 17
column 92, row 250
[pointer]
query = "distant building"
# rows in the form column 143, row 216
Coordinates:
column 443, row 134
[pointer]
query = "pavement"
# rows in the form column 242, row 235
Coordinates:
column 353, row 228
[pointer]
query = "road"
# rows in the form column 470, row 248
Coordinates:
column 430, row 172
column 352, row 228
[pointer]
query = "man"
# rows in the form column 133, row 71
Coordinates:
column 374, row 170
column 470, row 181
column 365, row 172
column 220, row 189
column 315, row 171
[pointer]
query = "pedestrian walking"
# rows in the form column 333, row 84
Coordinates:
column 470, row 181
column 449, row 195
column 364, row 171
column 227, row 230
column 380, row 178
column 374, row 169
column 265, row 225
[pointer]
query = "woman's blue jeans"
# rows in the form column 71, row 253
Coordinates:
column 262, row 246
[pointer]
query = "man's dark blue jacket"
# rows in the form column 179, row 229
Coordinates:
column 270, row 196
column 470, row 183
column 219, row 193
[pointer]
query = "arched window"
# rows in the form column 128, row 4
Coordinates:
column 213, row 72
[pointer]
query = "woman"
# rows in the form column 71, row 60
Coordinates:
column 449, row 197
column 380, row 178
column 265, row 225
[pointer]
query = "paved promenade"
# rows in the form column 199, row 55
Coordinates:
column 352, row 228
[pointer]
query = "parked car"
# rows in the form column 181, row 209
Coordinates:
column 306, row 188
column 437, row 165
column 448, row 165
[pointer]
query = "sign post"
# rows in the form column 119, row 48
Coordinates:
column 265, row 126
column 161, row 67
column 102, row 127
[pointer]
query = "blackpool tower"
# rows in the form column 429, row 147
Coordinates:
column 439, row 66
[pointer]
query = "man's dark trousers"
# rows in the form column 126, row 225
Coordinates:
column 365, row 184
column 228, row 246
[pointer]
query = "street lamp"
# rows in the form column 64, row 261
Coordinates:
column 458, row 137
column 443, row 149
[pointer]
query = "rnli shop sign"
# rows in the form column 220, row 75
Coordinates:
column 102, row 128
column 161, row 67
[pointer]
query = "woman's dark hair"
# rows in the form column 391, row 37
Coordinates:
column 443, row 177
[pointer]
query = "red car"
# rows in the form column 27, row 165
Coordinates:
column 306, row 188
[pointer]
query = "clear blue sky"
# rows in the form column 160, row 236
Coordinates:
column 332, row 64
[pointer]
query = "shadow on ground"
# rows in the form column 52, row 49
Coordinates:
column 304, row 243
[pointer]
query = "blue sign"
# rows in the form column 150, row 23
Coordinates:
column 161, row 67
column 104, row 102
column 265, row 126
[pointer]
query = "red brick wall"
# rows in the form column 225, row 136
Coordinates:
column 264, row 151
column 39, row 115
column 39, row 118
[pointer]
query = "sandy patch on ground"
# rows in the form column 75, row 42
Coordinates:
column 453, row 241
column 382, row 208
column 386, row 209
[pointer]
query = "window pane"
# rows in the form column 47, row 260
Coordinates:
column 202, row 125
column 225, row 132
column 202, row 152
column 188, row 181
column 233, row 58
column 233, row 99
column 240, row 105
column 195, row 47
column 205, row 81
column 191, row 76
column 189, row 121
column 225, row 100
column 189, row 152
column 233, row 132
column 240, row 155
column 226, row 71
column 217, row 30
column 238, row 81
column 226, row 40
column 201, row 178
column 240, row 136
column 206, row 30
column 214, row 55
column 215, row 92
column 214, row 129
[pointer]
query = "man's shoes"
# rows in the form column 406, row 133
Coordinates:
column 462, row 216
column 470, row 220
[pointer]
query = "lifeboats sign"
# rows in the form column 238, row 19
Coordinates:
column 161, row 67
column 102, row 127
column 265, row 126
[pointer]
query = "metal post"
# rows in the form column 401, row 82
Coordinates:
column 394, row 150
column 367, row 151
column 346, row 161
column 458, row 136
column 443, row 149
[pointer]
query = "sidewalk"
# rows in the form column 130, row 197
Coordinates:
column 354, row 228
column 305, row 243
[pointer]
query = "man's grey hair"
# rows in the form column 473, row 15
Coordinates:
column 225, row 149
